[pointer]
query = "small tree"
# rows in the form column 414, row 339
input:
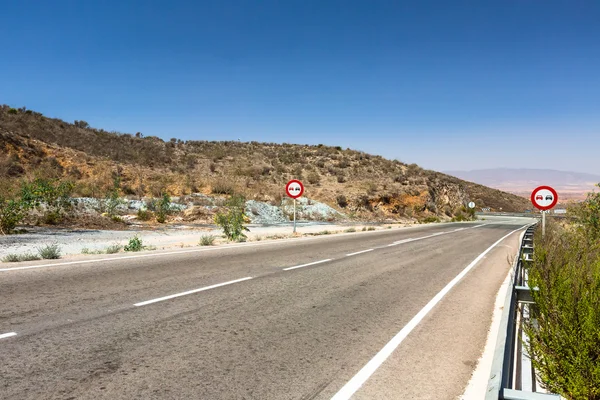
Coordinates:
column 163, row 208
column 232, row 222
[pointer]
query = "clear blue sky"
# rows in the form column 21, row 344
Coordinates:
column 447, row 84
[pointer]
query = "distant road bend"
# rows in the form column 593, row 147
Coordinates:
column 390, row 314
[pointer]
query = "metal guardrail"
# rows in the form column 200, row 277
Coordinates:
column 513, row 376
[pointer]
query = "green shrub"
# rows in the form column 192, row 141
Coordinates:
column 28, row 257
column 371, row 228
column 207, row 240
column 11, row 258
column 364, row 229
column 49, row 252
column 565, row 339
column 135, row 244
column 51, row 196
column 232, row 222
column 587, row 216
column 163, row 208
column 350, row 230
column 12, row 213
column 144, row 215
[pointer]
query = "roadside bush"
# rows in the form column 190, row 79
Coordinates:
column 112, row 249
column 207, row 240
column 135, row 244
column 49, row 252
column 51, row 196
column 29, row 257
column 350, row 230
column 20, row 257
column 232, row 222
column 11, row 258
column 587, row 216
column 565, row 338
column 12, row 213
column 144, row 215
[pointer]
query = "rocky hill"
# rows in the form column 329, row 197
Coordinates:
column 357, row 184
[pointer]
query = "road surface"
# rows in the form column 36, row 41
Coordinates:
column 391, row 314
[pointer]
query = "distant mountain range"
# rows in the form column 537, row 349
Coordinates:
column 521, row 181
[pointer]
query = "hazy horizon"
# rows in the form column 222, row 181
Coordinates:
column 459, row 86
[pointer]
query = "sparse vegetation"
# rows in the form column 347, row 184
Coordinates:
column 49, row 252
column 350, row 230
column 21, row 257
column 134, row 244
column 144, row 215
column 207, row 240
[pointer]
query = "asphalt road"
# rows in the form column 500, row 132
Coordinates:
column 255, row 322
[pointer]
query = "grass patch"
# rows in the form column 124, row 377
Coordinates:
column 371, row 228
column 207, row 240
column 11, row 258
column 49, row 252
column 113, row 249
column 20, row 257
column 350, row 230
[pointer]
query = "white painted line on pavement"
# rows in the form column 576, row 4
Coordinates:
column 359, row 252
column 143, row 303
column 306, row 265
column 459, row 229
column 477, row 226
column 7, row 335
column 365, row 373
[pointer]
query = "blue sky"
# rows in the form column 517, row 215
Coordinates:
column 447, row 84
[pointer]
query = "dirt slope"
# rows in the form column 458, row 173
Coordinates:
column 359, row 184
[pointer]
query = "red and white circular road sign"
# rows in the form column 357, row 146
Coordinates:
column 294, row 188
column 544, row 198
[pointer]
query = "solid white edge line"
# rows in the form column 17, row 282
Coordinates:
column 143, row 303
column 7, row 335
column 365, row 373
column 359, row 252
column 306, row 265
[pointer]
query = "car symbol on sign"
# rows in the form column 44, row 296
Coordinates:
column 549, row 197
column 539, row 197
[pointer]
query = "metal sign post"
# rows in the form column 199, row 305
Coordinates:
column 294, row 215
column 543, row 223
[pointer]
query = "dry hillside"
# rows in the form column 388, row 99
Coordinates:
column 356, row 183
